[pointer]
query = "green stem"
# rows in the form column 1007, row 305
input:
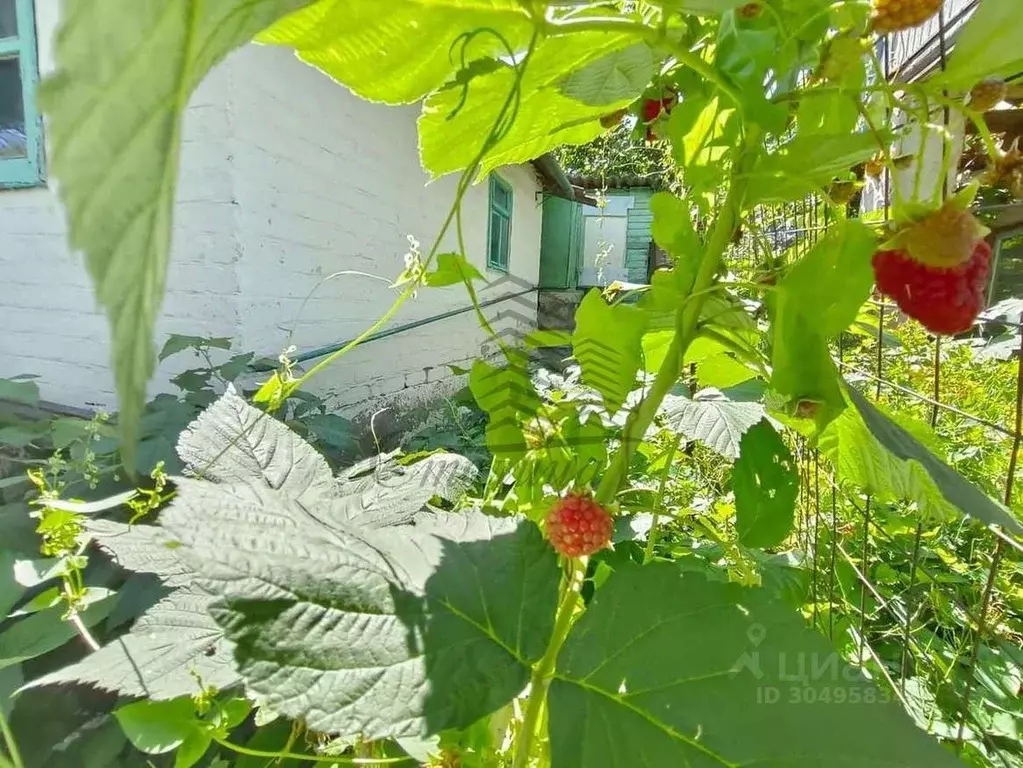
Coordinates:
column 12, row 745
column 651, row 539
column 686, row 320
column 308, row 758
column 545, row 667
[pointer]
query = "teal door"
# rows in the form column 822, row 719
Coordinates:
column 560, row 243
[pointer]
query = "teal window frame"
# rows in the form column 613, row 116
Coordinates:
column 498, row 258
column 25, row 171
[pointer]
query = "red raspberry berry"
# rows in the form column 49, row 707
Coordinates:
column 652, row 109
column 578, row 526
column 897, row 15
column 944, row 301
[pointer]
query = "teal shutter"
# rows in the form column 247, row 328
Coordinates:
column 499, row 224
column 21, row 126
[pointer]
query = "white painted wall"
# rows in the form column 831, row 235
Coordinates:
column 286, row 178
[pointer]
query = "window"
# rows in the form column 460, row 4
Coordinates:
column 20, row 126
column 499, row 226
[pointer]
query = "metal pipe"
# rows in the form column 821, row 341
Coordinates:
column 312, row 354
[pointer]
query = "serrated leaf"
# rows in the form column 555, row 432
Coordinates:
column 114, row 122
column 713, row 419
column 609, row 707
column 802, row 368
column 508, row 397
column 989, row 46
column 452, row 269
column 672, row 229
column 607, row 342
column 142, row 549
column 399, row 56
column 386, row 633
column 172, row 646
column 619, row 75
column 766, row 484
column 723, row 371
column 872, row 451
column 806, row 164
column 454, row 127
column 834, row 280
column 233, row 442
column 177, row 343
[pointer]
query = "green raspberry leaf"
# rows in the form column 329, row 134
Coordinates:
column 766, row 485
column 388, row 632
column 399, row 54
column 728, row 697
column 607, row 342
column 882, row 457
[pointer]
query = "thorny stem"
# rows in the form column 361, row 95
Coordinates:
column 651, row 539
column 545, row 667
column 686, row 320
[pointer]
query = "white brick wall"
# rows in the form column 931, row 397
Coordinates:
column 286, row 178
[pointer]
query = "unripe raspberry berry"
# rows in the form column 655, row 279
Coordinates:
column 841, row 192
column 988, row 94
column 750, row 10
column 578, row 526
column 944, row 301
column 897, row 15
column 945, row 238
column 614, row 118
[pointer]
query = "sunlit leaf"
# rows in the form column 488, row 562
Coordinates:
column 713, row 419
column 834, row 280
column 872, row 451
column 728, row 698
column 615, row 76
column 455, row 125
column 990, row 45
column 607, row 342
column 400, row 54
column 766, row 483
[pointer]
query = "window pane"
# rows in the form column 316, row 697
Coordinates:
column 501, row 197
column 494, row 246
column 8, row 19
column 13, row 141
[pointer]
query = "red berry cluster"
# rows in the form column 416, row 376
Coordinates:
column 652, row 110
column 578, row 526
column 945, row 301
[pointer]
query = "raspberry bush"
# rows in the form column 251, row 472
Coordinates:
column 560, row 612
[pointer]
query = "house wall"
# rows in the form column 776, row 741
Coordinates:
column 327, row 183
column 641, row 218
column 51, row 326
column 286, row 179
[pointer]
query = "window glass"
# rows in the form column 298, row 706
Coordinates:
column 502, row 198
column 8, row 19
column 13, row 140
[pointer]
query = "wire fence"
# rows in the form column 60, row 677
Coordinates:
column 931, row 610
